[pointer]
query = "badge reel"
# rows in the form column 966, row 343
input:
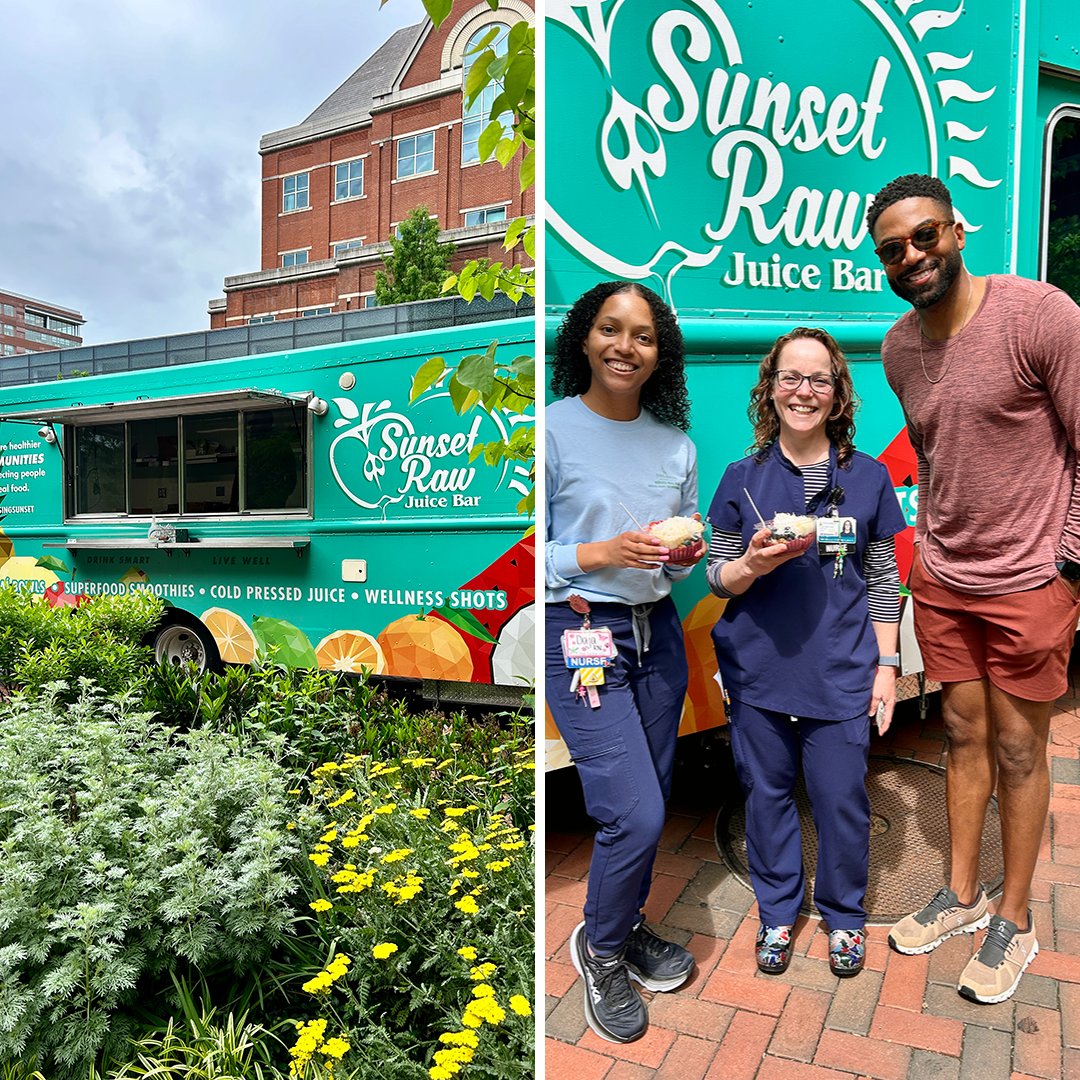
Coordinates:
column 587, row 652
column 836, row 536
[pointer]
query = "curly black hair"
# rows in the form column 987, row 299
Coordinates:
column 664, row 394
column 911, row 186
column 840, row 426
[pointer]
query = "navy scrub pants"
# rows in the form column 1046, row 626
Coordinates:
column 768, row 747
column 624, row 753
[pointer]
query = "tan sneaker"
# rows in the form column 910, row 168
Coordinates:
column 993, row 973
column 940, row 919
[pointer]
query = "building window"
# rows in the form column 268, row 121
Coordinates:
column 9, row 330
column 9, row 311
column 293, row 258
column 347, row 247
column 33, row 318
column 62, row 326
column 349, row 180
column 308, row 312
column 482, row 217
column 368, row 301
column 416, row 155
column 477, row 115
column 191, row 464
column 294, row 192
column 256, row 319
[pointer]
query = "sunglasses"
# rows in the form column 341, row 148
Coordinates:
column 926, row 236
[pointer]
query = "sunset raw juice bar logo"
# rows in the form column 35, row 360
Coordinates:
column 725, row 153
column 419, row 458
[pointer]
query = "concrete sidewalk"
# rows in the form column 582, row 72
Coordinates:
column 900, row 1018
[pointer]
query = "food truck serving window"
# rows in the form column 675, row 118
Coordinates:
column 218, row 463
column 1061, row 240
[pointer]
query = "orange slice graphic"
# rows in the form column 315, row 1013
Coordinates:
column 351, row 650
column 235, row 641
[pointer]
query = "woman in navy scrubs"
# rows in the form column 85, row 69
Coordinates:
column 807, row 644
column 617, row 457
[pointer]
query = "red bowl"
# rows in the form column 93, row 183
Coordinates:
column 801, row 544
column 682, row 554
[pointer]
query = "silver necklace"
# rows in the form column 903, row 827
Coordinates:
column 951, row 347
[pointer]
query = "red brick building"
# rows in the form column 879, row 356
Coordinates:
column 28, row 325
column 395, row 135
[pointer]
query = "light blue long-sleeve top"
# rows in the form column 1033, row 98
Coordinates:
column 592, row 465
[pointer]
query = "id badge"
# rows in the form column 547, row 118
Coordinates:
column 836, row 535
column 589, row 648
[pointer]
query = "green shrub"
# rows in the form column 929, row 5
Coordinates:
column 127, row 850
column 99, row 639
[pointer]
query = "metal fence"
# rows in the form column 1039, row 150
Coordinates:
column 279, row 336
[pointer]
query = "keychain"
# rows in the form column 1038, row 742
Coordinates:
column 587, row 652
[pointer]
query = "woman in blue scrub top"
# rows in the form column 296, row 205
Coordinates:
column 807, row 644
column 617, row 457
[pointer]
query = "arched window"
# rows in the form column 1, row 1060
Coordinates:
column 475, row 117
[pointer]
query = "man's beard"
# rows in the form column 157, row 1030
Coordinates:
column 928, row 295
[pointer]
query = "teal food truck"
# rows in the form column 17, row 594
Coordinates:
column 287, row 501
column 724, row 154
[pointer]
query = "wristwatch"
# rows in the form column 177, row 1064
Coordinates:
column 889, row 661
column 1069, row 570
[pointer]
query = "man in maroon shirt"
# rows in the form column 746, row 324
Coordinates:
column 986, row 371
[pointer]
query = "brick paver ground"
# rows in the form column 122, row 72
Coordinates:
column 901, row 1019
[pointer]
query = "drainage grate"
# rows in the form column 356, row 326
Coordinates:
column 909, row 838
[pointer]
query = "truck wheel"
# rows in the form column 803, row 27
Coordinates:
column 178, row 643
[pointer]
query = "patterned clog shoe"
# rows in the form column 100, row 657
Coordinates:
column 773, row 949
column 847, row 951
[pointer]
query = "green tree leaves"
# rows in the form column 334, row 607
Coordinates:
column 418, row 264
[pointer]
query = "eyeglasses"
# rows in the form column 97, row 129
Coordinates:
column 819, row 382
column 926, row 236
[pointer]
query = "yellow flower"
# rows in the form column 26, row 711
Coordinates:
column 468, row 952
column 482, row 971
column 381, row 952
column 335, row 1048
column 389, row 808
column 497, row 865
column 483, row 1009
column 421, row 812
column 520, row 1005
column 344, row 798
column 484, row 990
column 320, row 905
column 459, row 811
column 290, row 825
column 437, row 1072
column 320, row 858
column 397, row 855
column 468, row 905
column 512, row 846
column 460, row 1038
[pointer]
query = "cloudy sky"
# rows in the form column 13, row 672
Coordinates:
column 129, row 164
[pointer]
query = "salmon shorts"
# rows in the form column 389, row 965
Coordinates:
column 1021, row 641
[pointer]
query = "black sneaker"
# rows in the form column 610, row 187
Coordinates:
column 655, row 963
column 613, row 1007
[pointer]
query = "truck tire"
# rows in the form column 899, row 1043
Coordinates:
column 181, row 639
